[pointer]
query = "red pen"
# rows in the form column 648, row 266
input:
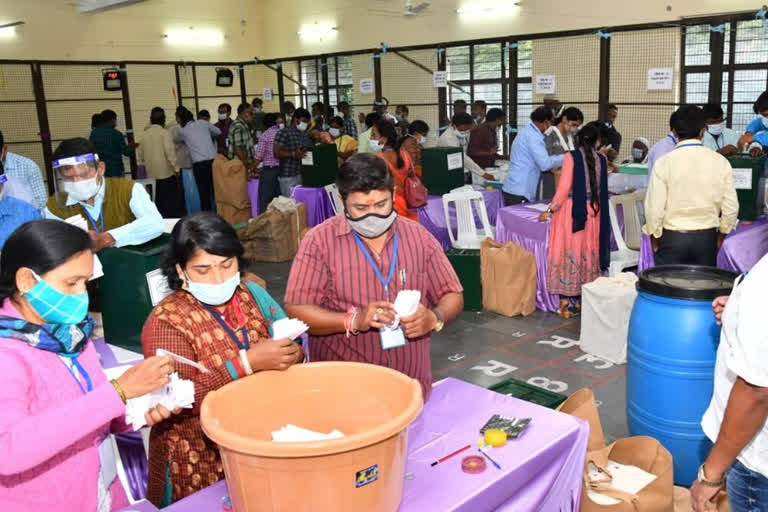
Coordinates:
column 438, row 461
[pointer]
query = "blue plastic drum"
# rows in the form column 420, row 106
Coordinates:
column 673, row 339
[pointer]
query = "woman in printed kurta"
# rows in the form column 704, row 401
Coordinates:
column 222, row 323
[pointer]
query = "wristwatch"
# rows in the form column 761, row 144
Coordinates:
column 440, row 323
column 709, row 483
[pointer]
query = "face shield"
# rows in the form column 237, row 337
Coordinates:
column 77, row 175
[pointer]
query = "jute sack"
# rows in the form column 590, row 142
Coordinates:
column 582, row 405
column 508, row 274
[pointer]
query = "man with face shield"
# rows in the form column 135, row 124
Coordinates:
column 350, row 269
column 119, row 212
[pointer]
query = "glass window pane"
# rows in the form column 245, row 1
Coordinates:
column 455, row 94
column 727, row 45
column 457, row 62
column 742, row 116
column 697, row 45
column 331, row 70
column 487, row 61
column 345, row 70
column 697, row 88
column 490, row 93
column 524, row 59
column 751, row 43
column 748, row 84
column 524, row 104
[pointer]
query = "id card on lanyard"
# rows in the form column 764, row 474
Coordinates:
column 390, row 338
column 245, row 344
column 99, row 228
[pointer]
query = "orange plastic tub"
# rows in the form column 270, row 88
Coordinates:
column 372, row 406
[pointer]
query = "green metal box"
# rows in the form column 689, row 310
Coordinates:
column 126, row 300
column 747, row 171
column 442, row 169
column 529, row 393
column 320, row 166
column 466, row 263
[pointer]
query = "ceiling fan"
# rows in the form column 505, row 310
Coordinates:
column 409, row 9
column 14, row 24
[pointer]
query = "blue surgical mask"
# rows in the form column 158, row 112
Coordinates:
column 375, row 144
column 214, row 294
column 301, row 126
column 335, row 132
column 55, row 307
column 637, row 153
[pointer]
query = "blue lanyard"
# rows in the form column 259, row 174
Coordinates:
column 81, row 371
column 99, row 228
column 673, row 138
column 392, row 264
column 689, row 145
column 245, row 344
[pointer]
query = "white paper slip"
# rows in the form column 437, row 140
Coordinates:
column 293, row 434
column 183, row 360
column 540, row 206
column 288, row 328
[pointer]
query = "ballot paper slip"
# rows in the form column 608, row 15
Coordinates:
column 177, row 393
column 288, row 328
column 80, row 222
column 293, row 434
column 621, row 477
column 406, row 304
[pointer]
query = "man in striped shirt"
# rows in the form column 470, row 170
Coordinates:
column 349, row 270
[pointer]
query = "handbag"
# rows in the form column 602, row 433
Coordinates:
column 415, row 191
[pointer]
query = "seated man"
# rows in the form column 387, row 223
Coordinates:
column 25, row 172
column 717, row 136
column 119, row 212
column 691, row 202
column 640, row 148
column 457, row 136
column 350, row 268
column 756, row 135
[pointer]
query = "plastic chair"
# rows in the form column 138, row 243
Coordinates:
column 333, row 194
column 623, row 257
column 150, row 183
column 468, row 236
column 632, row 223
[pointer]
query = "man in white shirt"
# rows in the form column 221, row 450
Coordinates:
column 457, row 136
column 736, row 419
column 717, row 136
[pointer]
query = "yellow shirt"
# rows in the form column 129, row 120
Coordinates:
column 345, row 143
column 691, row 188
column 157, row 151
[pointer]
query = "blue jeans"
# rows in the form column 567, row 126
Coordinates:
column 747, row 490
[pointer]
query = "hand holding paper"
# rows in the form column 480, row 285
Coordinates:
column 80, row 222
column 288, row 328
column 406, row 304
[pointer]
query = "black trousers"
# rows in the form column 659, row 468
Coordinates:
column 269, row 186
column 169, row 198
column 510, row 199
column 687, row 248
column 204, row 179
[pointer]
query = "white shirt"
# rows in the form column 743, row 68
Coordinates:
column 727, row 138
column 743, row 352
column 450, row 139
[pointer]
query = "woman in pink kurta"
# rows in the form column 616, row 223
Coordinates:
column 573, row 256
column 56, row 405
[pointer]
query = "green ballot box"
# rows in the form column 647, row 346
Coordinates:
column 442, row 169
column 320, row 166
column 466, row 263
column 747, row 171
column 131, row 286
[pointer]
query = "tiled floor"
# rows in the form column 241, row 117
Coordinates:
column 542, row 349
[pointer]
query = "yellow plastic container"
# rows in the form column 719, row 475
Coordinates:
column 372, row 405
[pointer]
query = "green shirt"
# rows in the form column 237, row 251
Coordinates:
column 240, row 137
column 111, row 147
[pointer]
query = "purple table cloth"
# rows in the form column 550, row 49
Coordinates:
column 741, row 249
column 540, row 471
column 432, row 216
column 253, row 195
column 319, row 207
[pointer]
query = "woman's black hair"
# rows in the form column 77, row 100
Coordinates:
column 386, row 129
column 336, row 120
column 418, row 126
column 205, row 231
column 40, row 245
column 571, row 114
column 586, row 140
column 363, row 172
column 270, row 119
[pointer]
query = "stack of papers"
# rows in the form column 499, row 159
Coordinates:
column 80, row 222
column 406, row 304
column 290, row 328
column 621, row 477
column 293, row 434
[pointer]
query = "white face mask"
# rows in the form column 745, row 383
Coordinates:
column 372, row 225
column 81, row 190
column 715, row 129
column 223, row 117
column 214, row 294
column 281, row 125
column 257, row 110
column 302, row 126
column 375, row 144
column 422, row 140
column 765, row 121
column 335, row 132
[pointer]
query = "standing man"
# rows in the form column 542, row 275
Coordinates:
column 401, row 118
column 457, row 136
column 613, row 137
column 529, row 158
column 483, row 145
column 479, row 109
column 288, row 109
column 459, row 107
column 291, row 145
column 256, row 123
column 239, row 141
column 198, row 137
column 158, row 153
column 717, row 136
column 349, row 270
column 110, row 144
column 691, row 202
column 118, row 211
column 350, row 126
column 317, row 123
column 364, row 140
column 663, row 146
column 223, row 124
column 24, row 171
column 269, row 183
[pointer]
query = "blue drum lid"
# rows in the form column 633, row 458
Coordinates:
column 693, row 282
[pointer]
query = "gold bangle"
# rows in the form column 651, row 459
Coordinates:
column 119, row 390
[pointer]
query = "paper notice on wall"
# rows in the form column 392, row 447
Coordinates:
column 311, row 87
column 440, row 79
column 267, row 94
column 158, row 286
column 308, row 160
column 455, row 161
column 366, row 86
column 545, row 84
column 742, row 179
column 660, row 79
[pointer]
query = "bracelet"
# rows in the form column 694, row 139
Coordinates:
column 708, row 483
column 119, row 390
column 349, row 321
column 246, row 364
column 354, row 330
